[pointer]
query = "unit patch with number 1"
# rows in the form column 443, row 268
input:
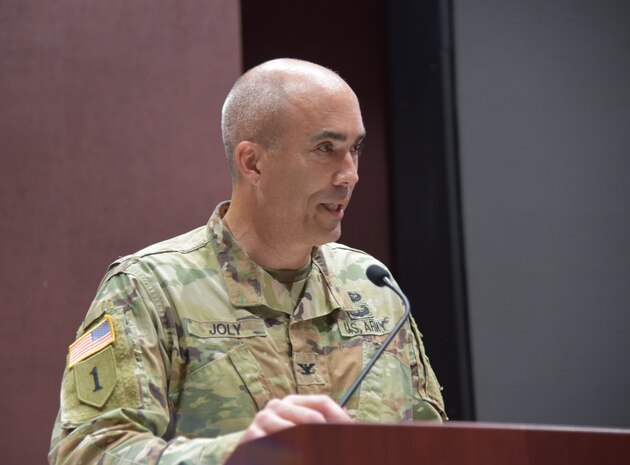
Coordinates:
column 92, row 361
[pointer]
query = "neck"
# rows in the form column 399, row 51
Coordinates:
column 266, row 248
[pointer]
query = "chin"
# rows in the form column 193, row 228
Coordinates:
column 332, row 236
column 322, row 233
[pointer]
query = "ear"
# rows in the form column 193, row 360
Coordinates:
column 247, row 157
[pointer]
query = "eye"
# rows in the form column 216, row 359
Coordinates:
column 325, row 147
column 356, row 149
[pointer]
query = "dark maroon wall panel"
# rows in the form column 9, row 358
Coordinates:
column 349, row 37
column 109, row 141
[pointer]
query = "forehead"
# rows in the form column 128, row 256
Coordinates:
column 316, row 114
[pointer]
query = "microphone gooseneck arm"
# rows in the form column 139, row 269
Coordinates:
column 379, row 277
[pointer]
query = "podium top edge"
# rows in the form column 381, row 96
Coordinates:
column 479, row 426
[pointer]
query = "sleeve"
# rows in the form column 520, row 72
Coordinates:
column 428, row 403
column 114, row 405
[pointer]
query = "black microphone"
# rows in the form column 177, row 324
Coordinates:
column 379, row 277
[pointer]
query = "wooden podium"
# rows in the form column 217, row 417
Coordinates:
column 453, row 443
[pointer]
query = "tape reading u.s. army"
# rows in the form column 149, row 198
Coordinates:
column 93, row 341
column 235, row 329
column 374, row 326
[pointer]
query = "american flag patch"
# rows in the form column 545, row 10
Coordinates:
column 91, row 342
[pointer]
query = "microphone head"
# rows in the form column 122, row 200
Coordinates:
column 377, row 274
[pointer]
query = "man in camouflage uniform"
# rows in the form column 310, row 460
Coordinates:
column 256, row 321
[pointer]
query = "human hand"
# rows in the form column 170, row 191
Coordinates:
column 293, row 410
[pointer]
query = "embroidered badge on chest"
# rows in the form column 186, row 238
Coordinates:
column 364, row 310
column 307, row 368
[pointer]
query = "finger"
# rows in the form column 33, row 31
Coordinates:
column 265, row 422
column 252, row 432
column 323, row 404
column 269, row 421
column 295, row 412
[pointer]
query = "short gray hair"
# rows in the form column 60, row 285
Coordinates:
column 254, row 107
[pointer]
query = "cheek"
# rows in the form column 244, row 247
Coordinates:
column 287, row 195
column 297, row 186
column 294, row 186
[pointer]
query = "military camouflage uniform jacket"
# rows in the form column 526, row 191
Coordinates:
column 190, row 338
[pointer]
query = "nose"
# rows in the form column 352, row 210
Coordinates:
column 348, row 173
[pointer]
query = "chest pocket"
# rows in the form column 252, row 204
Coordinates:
column 223, row 385
column 386, row 393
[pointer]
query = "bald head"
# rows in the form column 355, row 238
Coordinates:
column 257, row 107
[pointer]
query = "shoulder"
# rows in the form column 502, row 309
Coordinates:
column 165, row 267
column 182, row 244
column 340, row 252
column 169, row 251
column 347, row 262
column 347, row 267
column 169, row 263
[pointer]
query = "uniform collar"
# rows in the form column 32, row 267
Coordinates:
column 249, row 285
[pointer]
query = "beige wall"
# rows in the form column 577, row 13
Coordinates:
column 109, row 141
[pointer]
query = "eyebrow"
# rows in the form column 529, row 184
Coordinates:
column 327, row 134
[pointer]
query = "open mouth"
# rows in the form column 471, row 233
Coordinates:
column 335, row 210
column 333, row 207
